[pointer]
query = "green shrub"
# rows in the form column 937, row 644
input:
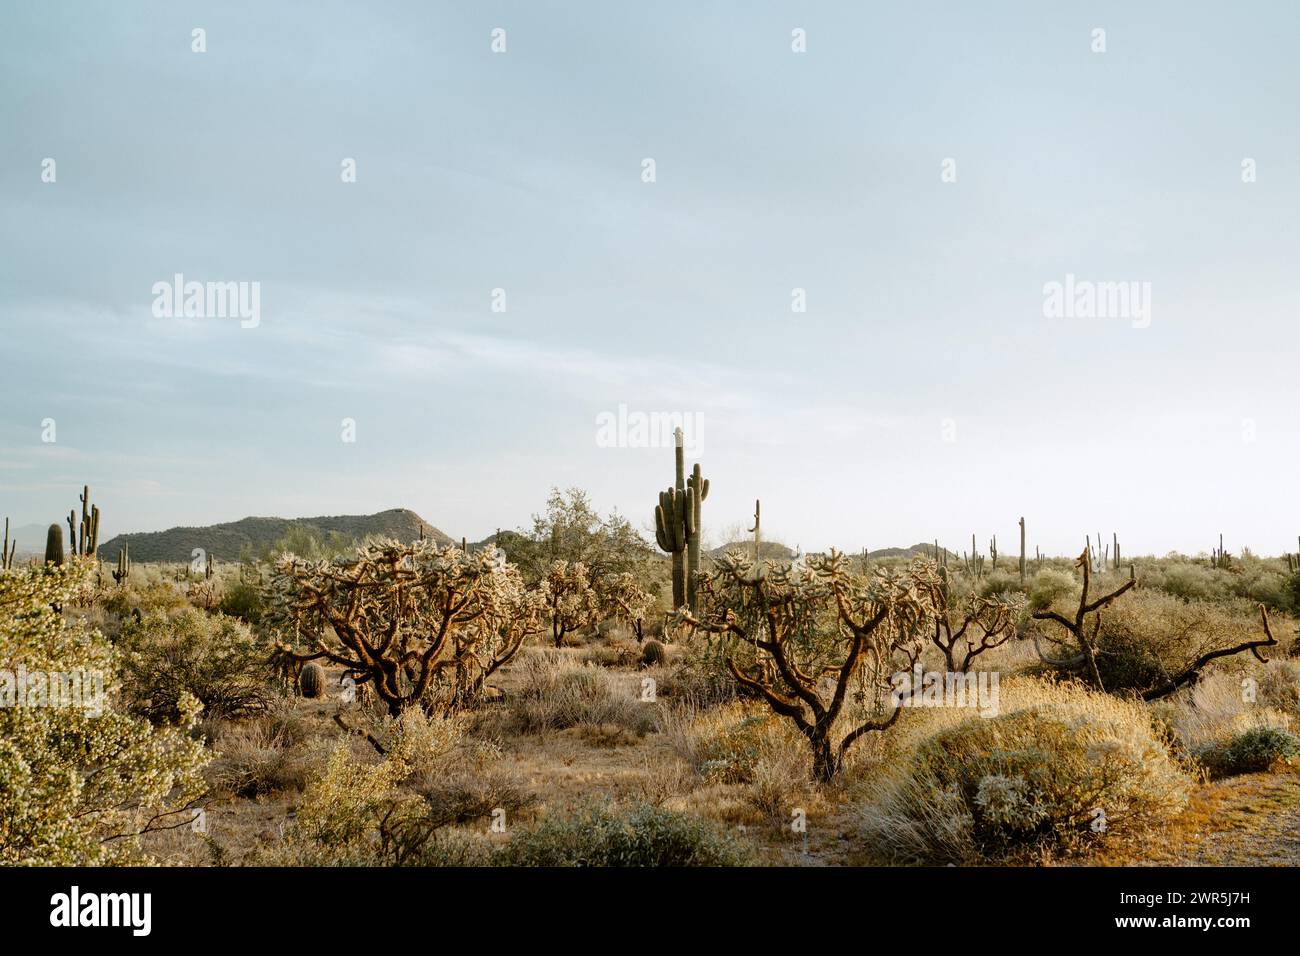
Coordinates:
column 214, row 658
column 244, row 601
column 644, row 836
column 1254, row 751
column 1062, row 768
column 77, row 785
column 1049, row 586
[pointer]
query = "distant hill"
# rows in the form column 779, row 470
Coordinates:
column 775, row 551
column 225, row 542
column 925, row 550
column 769, row 550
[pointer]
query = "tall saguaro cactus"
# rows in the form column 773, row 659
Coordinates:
column 1022, row 550
column 670, row 524
column 7, row 550
column 677, row 525
column 123, row 565
column 697, row 489
column 86, row 540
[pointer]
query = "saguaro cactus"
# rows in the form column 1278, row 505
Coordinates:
column 54, row 545
column 677, row 525
column 670, row 534
column 84, row 540
column 7, row 551
column 123, row 565
column 697, row 489
column 1022, row 550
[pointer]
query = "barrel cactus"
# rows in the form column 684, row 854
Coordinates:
column 311, row 682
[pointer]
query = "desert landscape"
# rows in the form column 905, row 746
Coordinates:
column 609, row 473
column 366, row 691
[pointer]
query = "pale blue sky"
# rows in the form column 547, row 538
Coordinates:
column 775, row 170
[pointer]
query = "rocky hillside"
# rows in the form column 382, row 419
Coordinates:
column 226, row 542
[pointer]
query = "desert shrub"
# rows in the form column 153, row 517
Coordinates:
column 700, row 679
column 1279, row 687
column 79, row 783
column 652, row 652
column 1049, row 586
column 999, row 583
column 1253, row 751
column 372, row 814
column 1031, row 780
column 1150, row 638
column 643, row 836
column 214, row 658
column 612, row 652
column 243, row 600
column 257, row 757
column 728, row 744
column 1150, row 643
column 1205, row 718
column 123, row 601
column 558, row 693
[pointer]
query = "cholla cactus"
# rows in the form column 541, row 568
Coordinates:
column 626, row 600
column 420, row 624
column 966, row 625
column 819, row 644
column 569, row 598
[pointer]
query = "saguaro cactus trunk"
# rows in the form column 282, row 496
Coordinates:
column 697, row 491
column 1022, row 550
column 670, row 524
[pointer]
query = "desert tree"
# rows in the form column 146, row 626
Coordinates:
column 416, row 623
column 966, row 626
column 571, row 529
column 819, row 644
column 570, row 602
column 1077, row 627
column 622, row 597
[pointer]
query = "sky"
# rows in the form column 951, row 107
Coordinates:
column 923, row 172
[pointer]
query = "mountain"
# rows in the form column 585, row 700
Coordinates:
column 30, row 538
column 770, row 550
column 225, row 542
column 775, row 551
column 923, row 550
